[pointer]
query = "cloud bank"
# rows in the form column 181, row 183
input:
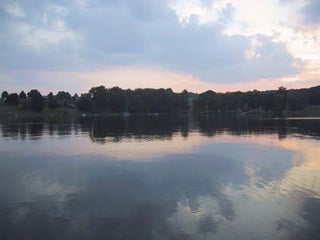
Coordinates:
column 215, row 41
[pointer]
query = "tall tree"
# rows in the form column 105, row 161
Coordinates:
column 280, row 100
column 52, row 101
column 37, row 102
column 99, row 96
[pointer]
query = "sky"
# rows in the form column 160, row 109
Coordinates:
column 198, row 45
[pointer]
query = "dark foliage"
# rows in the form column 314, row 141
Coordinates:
column 85, row 104
column 116, row 100
column 137, row 101
column 52, row 101
column 63, row 98
column 37, row 102
column 269, row 101
column 22, row 95
column 12, row 99
column 4, row 95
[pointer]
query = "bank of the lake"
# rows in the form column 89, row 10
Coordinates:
column 9, row 111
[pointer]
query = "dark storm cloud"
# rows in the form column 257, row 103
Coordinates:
column 146, row 33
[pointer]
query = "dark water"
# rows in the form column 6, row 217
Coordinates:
column 160, row 177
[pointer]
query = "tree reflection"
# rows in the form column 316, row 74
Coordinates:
column 162, row 127
column 138, row 127
column 177, row 196
column 35, row 130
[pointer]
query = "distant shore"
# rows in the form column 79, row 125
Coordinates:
column 9, row 112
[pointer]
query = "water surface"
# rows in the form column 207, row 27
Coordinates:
column 160, row 177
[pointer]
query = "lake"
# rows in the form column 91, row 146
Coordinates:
column 160, row 177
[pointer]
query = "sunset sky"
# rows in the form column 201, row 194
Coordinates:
column 222, row 45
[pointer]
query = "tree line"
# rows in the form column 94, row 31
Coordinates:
column 35, row 101
column 275, row 101
column 116, row 100
column 101, row 99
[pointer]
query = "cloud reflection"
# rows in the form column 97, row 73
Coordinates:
column 191, row 179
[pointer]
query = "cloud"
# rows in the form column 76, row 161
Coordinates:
column 40, row 41
column 14, row 9
column 100, row 35
column 311, row 12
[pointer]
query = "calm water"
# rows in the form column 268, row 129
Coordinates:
column 160, row 177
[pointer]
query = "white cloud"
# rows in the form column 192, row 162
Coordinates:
column 14, row 9
column 46, row 28
column 251, row 53
column 40, row 36
column 186, row 10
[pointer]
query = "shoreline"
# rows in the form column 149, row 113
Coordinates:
column 8, row 111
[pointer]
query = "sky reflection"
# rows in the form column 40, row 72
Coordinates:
column 64, row 181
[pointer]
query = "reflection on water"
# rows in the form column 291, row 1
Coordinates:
column 160, row 177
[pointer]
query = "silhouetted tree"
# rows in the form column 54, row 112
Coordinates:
column 4, row 95
column 23, row 100
column 12, row 99
column 37, row 102
column 63, row 98
column 184, row 100
column 314, row 96
column 22, row 95
column 208, row 101
column 280, row 100
column 75, row 97
column 137, row 101
column 99, row 98
column 296, row 101
column 52, row 101
column 85, row 104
